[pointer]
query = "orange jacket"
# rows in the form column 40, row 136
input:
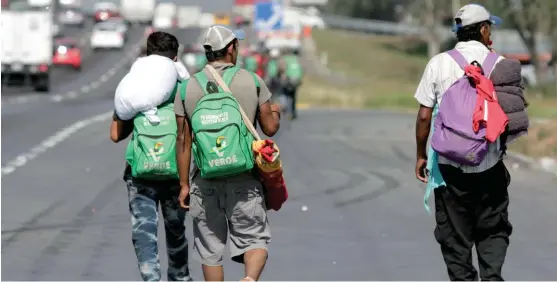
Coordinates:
column 487, row 112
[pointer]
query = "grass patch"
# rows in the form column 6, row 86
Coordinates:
column 383, row 72
column 540, row 141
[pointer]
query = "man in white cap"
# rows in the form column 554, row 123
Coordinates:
column 232, row 207
column 471, row 207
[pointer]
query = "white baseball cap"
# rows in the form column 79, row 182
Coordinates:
column 474, row 13
column 217, row 37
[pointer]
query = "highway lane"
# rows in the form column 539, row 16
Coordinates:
column 66, row 215
column 26, row 124
column 58, row 74
column 66, row 79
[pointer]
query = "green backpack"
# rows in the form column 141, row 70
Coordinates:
column 151, row 152
column 272, row 68
column 293, row 68
column 250, row 63
column 222, row 144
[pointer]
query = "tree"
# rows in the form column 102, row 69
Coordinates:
column 431, row 14
column 531, row 18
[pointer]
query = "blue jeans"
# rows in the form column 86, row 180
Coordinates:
column 144, row 198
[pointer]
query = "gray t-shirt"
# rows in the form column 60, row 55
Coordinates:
column 242, row 87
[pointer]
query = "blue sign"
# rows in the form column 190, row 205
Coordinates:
column 268, row 16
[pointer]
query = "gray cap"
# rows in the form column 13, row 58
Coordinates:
column 217, row 37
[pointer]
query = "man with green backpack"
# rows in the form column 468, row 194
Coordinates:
column 226, row 195
column 151, row 175
column 293, row 79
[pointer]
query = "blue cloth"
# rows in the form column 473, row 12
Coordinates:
column 434, row 179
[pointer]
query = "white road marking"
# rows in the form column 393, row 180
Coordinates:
column 95, row 84
column 57, row 98
column 51, row 142
column 85, row 88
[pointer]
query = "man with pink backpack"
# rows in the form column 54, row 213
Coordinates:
column 463, row 166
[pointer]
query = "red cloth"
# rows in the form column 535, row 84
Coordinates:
column 497, row 120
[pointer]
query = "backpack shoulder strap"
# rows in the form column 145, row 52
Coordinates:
column 457, row 56
column 257, row 84
column 489, row 63
column 229, row 74
column 202, row 79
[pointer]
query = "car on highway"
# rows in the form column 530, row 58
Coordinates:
column 120, row 23
column 105, row 10
column 67, row 53
column 71, row 16
column 107, row 35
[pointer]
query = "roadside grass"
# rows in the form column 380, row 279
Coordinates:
column 382, row 72
column 541, row 141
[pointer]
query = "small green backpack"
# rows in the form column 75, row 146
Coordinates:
column 222, row 144
column 151, row 152
column 272, row 68
column 293, row 68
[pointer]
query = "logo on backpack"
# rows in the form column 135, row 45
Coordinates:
column 156, row 151
column 220, row 145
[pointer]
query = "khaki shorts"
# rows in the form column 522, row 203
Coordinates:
column 222, row 209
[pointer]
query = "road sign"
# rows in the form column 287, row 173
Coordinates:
column 268, row 16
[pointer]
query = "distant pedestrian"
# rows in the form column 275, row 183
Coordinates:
column 471, row 201
column 152, row 179
column 227, row 200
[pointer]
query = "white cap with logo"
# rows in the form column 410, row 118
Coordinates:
column 217, row 37
column 474, row 13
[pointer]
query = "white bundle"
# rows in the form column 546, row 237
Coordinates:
column 148, row 84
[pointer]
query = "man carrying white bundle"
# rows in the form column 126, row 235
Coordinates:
column 150, row 82
column 151, row 172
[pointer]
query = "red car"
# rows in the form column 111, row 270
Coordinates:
column 67, row 53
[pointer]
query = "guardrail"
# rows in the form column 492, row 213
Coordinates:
column 394, row 28
column 377, row 27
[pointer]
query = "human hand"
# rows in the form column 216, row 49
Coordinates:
column 421, row 171
column 184, row 197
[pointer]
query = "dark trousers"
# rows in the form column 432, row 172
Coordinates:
column 291, row 92
column 472, row 210
column 144, row 200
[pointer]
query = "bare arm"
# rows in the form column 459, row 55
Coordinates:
column 423, row 126
column 120, row 129
column 269, row 118
column 268, row 115
column 183, row 150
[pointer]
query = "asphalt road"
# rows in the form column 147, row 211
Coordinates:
column 65, row 211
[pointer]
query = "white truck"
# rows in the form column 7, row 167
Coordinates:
column 138, row 11
column 188, row 16
column 27, row 46
column 165, row 16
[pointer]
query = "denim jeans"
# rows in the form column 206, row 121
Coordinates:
column 144, row 198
